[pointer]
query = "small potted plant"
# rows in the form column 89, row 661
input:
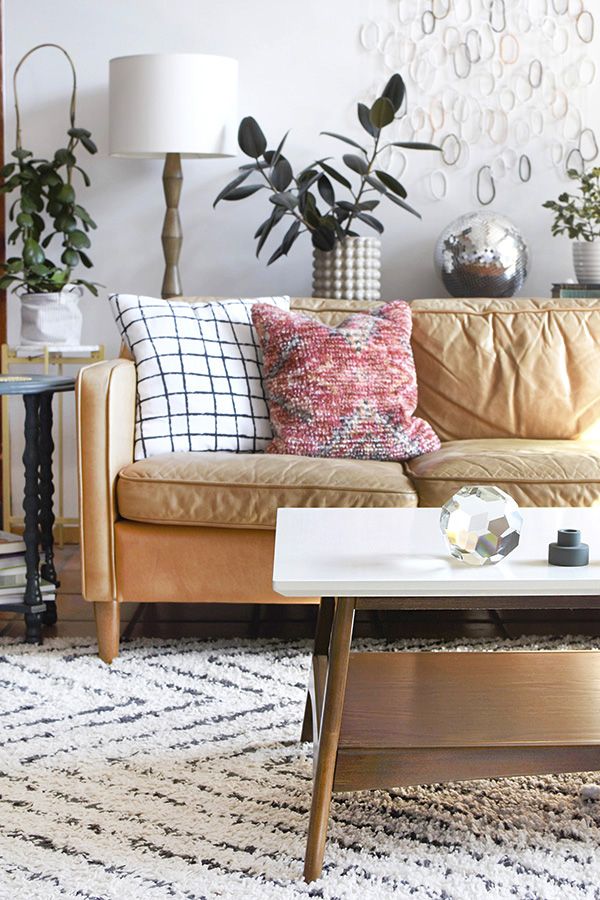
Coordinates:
column 311, row 198
column 579, row 217
column 44, row 211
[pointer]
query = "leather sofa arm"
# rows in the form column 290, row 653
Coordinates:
column 105, row 404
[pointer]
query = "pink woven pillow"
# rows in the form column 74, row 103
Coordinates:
column 349, row 391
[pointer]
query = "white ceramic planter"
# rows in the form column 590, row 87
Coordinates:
column 351, row 270
column 586, row 261
column 52, row 318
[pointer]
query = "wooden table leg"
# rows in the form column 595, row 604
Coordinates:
column 321, row 648
column 335, row 687
column 46, row 510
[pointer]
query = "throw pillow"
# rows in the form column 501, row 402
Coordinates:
column 199, row 373
column 348, row 391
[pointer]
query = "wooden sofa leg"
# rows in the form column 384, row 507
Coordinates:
column 107, row 616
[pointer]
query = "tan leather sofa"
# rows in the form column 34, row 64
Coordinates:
column 512, row 387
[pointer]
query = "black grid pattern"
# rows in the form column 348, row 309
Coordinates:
column 199, row 374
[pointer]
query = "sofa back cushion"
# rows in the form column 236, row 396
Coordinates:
column 517, row 367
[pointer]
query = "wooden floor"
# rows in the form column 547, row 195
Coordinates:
column 75, row 618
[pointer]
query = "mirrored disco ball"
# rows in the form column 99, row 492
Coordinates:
column 482, row 254
column 481, row 524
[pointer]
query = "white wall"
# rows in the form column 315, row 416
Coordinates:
column 301, row 66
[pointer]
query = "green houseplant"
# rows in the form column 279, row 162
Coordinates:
column 579, row 217
column 310, row 200
column 46, row 211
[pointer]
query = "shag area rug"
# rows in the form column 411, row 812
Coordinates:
column 176, row 773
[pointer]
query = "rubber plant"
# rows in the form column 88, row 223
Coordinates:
column 46, row 208
column 311, row 198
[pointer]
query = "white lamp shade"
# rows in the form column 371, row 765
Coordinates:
column 182, row 103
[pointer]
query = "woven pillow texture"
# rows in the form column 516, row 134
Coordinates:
column 348, row 391
column 199, row 373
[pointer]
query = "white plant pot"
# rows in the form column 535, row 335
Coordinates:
column 351, row 270
column 52, row 318
column 586, row 261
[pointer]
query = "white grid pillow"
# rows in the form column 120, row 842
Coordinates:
column 199, row 374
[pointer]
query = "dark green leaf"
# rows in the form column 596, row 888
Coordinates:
column 375, row 183
column 335, row 175
column 282, row 174
column 371, row 221
column 19, row 153
column 340, row 137
column 65, row 223
column 326, row 190
column 395, row 91
column 414, row 145
column 89, row 145
column 241, row 192
column 367, row 205
column 290, row 236
column 50, row 178
column 390, row 182
column 86, row 261
column 278, row 253
column 24, row 220
column 70, row 258
column 47, row 239
column 404, row 205
column 84, row 216
column 279, row 149
column 54, row 208
column 79, row 239
column 89, row 285
column 310, row 211
column 306, row 176
column 250, row 138
column 324, row 238
column 33, row 253
column 64, row 157
column 79, row 132
column 382, row 112
column 14, row 264
column 31, row 203
column 84, row 175
column 356, row 163
column 14, row 235
column 266, row 228
column 66, row 194
column 365, row 120
column 287, row 199
column 348, row 207
column 228, row 187
column 7, row 170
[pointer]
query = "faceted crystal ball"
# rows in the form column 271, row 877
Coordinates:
column 482, row 254
column 481, row 524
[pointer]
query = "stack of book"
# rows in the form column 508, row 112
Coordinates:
column 13, row 571
column 590, row 291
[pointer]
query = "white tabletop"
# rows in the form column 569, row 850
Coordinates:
column 401, row 553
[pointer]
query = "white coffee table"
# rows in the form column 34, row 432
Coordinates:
column 383, row 719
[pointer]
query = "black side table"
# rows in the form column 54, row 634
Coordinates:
column 37, row 392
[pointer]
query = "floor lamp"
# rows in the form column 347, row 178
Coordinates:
column 173, row 105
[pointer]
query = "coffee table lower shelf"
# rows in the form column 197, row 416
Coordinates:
column 414, row 718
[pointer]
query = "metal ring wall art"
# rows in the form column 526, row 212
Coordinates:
column 489, row 78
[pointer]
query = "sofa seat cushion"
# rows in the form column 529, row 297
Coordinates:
column 534, row 473
column 244, row 490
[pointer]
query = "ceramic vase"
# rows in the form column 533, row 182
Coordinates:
column 351, row 271
column 586, row 261
column 52, row 318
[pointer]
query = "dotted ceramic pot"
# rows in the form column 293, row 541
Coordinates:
column 351, row 271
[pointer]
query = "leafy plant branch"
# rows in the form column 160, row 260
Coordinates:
column 47, row 195
column 578, row 216
column 327, row 218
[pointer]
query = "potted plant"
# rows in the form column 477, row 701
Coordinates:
column 312, row 201
column 44, row 211
column 579, row 217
